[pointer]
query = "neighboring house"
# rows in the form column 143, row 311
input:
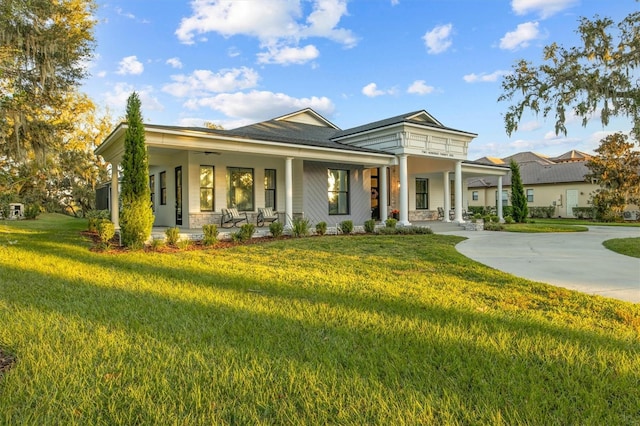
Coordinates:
column 301, row 164
column 548, row 181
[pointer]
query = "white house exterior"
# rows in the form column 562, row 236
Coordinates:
column 302, row 164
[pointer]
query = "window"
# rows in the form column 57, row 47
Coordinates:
column 338, row 191
column 152, row 191
column 505, row 198
column 270, row 188
column 240, row 188
column 474, row 195
column 422, row 194
column 206, row 189
column 529, row 195
column 163, row 188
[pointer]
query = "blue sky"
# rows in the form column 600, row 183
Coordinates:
column 236, row 62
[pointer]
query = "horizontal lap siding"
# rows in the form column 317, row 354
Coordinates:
column 316, row 204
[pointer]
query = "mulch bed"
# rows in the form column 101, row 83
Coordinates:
column 115, row 248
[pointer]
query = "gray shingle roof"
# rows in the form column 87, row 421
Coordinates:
column 294, row 133
column 534, row 173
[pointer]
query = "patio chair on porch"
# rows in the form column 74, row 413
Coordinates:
column 232, row 217
column 440, row 213
column 266, row 215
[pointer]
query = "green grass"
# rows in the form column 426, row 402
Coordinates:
column 585, row 222
column 626, row 246
column 543, row 227
column 325, row 330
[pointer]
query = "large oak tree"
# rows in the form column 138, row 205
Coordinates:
column 598, row 77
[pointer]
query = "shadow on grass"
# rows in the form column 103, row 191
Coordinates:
column 422, row 358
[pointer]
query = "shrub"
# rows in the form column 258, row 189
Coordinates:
column 542, row 212
column 405, row 230
column 508, row 219
column 321, row 228
column 184, row 244
column 106, row 231
column 172, row 235
column 494, row 218
column 136, row 222
column 390, row 223
column 584, row 212
column 210, row 234
column 346, row 226
column 31, row 211
column 493, row 226
column 156, row 244
column 276, row 229
column 94, row 217
column 244, row 233
column 369, row 226
column 300, row 227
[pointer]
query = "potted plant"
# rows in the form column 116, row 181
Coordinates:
column 395, row 214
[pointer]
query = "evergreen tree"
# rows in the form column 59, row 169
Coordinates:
column 136, row 218
column 518, row 199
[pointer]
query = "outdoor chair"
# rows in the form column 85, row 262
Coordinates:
column 266, row 215
column 232, row 217
column 440, row 213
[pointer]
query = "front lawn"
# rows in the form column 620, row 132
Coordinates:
column 324, row 330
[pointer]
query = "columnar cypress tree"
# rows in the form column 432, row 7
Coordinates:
column 136, row 219
column 518, row 199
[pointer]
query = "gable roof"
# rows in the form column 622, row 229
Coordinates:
column 572, row 155
column 527, row 157
column 307, row 116
column 421, row 118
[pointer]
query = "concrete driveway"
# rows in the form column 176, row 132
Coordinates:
column 574, row 260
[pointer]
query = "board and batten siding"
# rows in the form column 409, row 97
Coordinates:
column 316, row 203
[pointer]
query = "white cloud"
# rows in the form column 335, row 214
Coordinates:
column 371, row 90
column 260, row 105
column 275, row 23
column 116, row 99
column 545, row 8
column 419, row 87
column 130, row 65
column 529, row 126
column 484, row 78
column 521, row 37
column 205, row 82
column 438, row 39
column 174, row 62
column 289, row 55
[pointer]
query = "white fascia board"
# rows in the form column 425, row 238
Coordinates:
column 484, row 170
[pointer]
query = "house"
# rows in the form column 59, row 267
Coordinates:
column 301, row 164
column 557, row 182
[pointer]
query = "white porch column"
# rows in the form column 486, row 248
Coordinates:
column 447, row 196
column 404, row 191
column 500, row 199
column 288, row 188
column 115, row 198
column 383, row 202
column 458, row 193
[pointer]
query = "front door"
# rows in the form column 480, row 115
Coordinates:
column 178, row 195
column 375, row 195
column 572, row 201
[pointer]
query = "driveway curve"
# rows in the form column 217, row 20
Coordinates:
column 573, row 260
